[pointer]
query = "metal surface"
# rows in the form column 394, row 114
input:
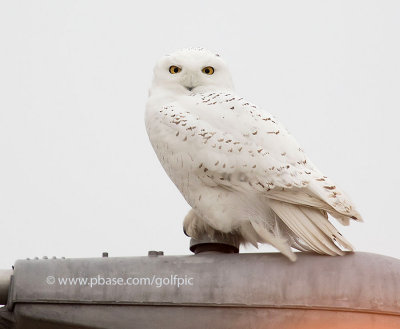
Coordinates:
column 220, row 243
column 357, row 282
column 7, row 320
column 150, row 317
column 155, row 253
column 4, row 284
column 252, row 291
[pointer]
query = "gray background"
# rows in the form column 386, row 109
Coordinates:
column 77, row 173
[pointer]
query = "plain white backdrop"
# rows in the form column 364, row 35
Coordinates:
column 77, row 173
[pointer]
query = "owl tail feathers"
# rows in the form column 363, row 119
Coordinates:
column 312, row 226
column 256, row 232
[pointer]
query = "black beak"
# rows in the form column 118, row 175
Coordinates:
column 189, row 88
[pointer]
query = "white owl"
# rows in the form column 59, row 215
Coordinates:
column 235, row 164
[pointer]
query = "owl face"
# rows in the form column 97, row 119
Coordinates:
column 191, row 71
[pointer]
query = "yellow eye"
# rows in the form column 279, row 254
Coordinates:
column 174, row 69
column 208, row 70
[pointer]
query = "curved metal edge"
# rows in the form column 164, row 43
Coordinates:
column 220, row 243
column 5, row 278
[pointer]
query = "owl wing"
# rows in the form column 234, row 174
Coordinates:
column 244, row 148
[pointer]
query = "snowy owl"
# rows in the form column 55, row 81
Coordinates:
column 235, row 164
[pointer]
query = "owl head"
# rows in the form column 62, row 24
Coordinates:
column 192, row 70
